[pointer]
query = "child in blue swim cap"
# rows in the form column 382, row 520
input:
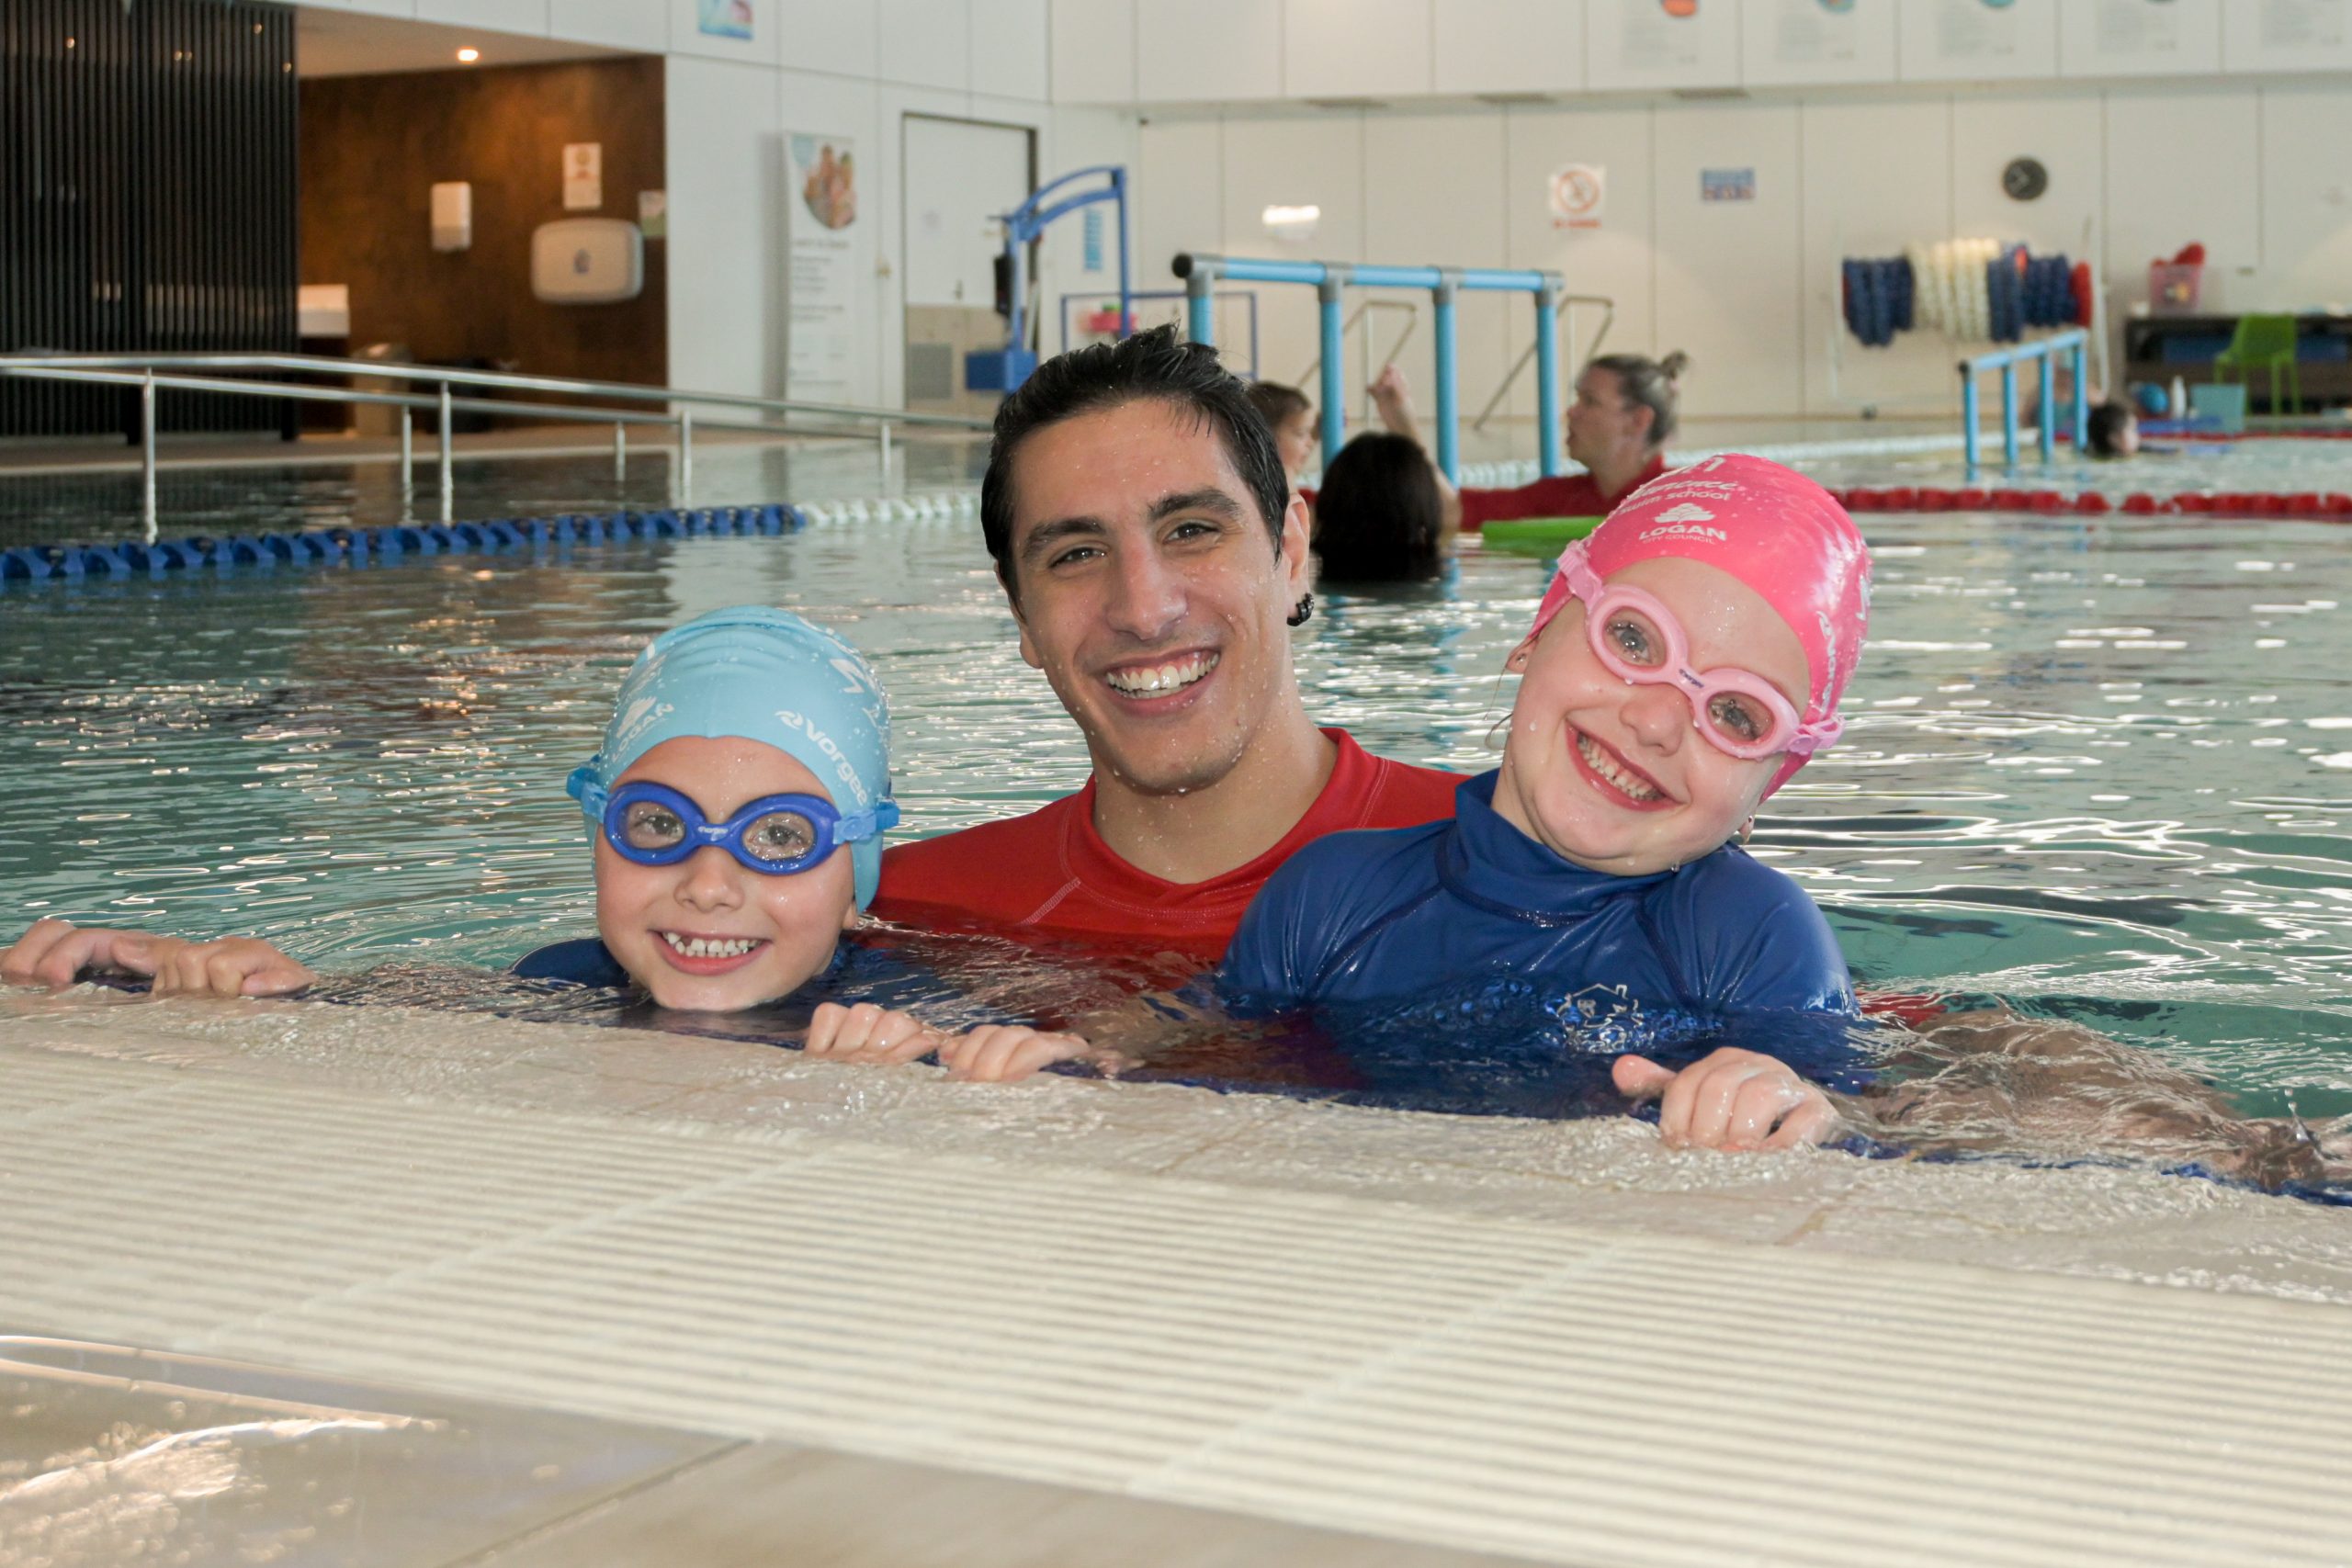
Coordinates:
column 747, row 751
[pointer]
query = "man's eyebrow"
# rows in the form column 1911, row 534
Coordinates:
column 1046, row 536
column 1207, row 498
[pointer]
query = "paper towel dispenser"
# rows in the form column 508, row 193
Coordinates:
column 587, row 260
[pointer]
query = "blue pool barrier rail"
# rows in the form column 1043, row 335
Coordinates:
column 2073, row 343
column 397, row 541
column 1201, row 274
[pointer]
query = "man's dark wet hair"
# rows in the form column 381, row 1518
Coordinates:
column 1379, row 514
column 1278, row 404
column 2106, row 422
column 1157, row 365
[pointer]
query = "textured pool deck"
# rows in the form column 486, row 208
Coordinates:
column 1555, row 1342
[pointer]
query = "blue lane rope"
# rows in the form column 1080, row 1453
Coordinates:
column 397, row 541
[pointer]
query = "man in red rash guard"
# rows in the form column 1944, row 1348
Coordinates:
column 1146, row 537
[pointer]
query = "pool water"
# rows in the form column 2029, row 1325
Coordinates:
column 2166, row 466
column 2096, row 769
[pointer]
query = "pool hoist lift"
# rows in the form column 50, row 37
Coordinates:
column 1003, row 369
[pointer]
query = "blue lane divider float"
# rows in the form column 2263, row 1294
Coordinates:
column 396, row 541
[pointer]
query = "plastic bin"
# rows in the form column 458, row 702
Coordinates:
column 2175, row 288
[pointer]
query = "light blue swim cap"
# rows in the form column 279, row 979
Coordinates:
column 759, row 674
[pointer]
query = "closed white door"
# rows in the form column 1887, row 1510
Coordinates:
column 959, row 177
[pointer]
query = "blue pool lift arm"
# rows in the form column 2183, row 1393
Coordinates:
column 1002, row 370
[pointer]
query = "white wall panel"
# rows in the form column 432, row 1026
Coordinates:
column 1008, row 48
column 726, row 227
column 1342, row 49
column 1968, row 40
column 1208, row 51
column 528, row 17
column 764, row 47
column 1798, row 43
column 1729, row 289
column 1079, row 139
column 2176, row 171
column 1618, row 261
column 841, row 36
column 927, row 43
column 1509, row 46
column 1092, row 50
column 1860, row 202
column 1180, row 198
column 2134, row 38
column 2306, row 201
column 2287, row 35
column 1634, row 44
column 2063, row 131
column 623, row 24
column 1294, row 162
column 1434, row 196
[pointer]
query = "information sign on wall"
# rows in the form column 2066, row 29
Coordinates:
column 1580, row 196
column 725, row 19
column 583, row 176
column 822, row 285
column 1727, row 184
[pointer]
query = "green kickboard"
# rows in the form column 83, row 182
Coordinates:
column 1537, row 535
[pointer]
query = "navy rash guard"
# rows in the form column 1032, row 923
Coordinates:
column 1470, row 932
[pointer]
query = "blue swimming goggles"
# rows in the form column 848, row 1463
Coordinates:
column 776, row 835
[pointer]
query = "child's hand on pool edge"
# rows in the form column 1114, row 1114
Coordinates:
column 868, row 1035
column 1729, row 1100
column 1003, row 1053
column 55, row 954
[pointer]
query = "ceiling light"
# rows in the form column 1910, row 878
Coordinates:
column 468, row 56
column 1292, row 223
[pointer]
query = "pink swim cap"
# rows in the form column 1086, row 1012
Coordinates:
column 1771, row 527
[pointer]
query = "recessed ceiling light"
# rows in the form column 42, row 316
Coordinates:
column 468, row 56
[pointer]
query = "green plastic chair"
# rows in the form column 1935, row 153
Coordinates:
column 2264, row 343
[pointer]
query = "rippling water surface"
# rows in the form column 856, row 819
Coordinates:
column 2099, row 770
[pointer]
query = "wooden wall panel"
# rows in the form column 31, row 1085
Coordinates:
column 374, row 146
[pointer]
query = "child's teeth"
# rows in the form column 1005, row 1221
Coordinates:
column 709, row 947
column 1608, row 769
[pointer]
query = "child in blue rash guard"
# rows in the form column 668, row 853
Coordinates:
column 1689, row 657
column 746, row 749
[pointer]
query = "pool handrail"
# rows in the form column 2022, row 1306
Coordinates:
column 1567, row 307
column 1201, row 270
column 1364, row 307
column 149, row 382
column 2075, row 342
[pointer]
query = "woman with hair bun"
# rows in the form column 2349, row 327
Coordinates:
column 1625, row 410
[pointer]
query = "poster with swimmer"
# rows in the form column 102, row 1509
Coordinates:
column 724, row 18
column 822, row 283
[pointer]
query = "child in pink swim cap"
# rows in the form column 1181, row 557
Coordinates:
column 1689, row 657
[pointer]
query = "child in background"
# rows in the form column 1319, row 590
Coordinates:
column 1688, row 658
column 1291, row 416
column 746, row 749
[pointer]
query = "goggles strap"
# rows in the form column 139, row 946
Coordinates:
column 875, row 820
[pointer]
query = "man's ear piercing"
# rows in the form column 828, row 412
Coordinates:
column 1302, row 612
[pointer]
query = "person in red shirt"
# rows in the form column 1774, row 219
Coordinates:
column 1154, row 556
column 1624, row 412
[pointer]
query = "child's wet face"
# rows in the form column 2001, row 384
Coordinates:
column 1617, row 776
column 646, row 914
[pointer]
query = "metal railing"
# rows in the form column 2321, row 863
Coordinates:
column 1355, row 318
column 1567, row 307
column 2073, row 343
column 150, row 373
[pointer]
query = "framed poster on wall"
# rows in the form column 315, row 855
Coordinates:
column 820, row 288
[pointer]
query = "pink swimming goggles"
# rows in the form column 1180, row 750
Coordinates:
column 1638, row 640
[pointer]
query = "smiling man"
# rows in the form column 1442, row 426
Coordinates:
column 1146, row 538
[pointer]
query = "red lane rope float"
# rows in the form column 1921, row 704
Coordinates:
column 2332, row 506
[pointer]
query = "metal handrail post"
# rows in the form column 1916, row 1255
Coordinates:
column 1449, row 412
column 2049, row 420
column 1969, row 414
column 1200, row 304
column 620, row 453
column 147, row 457
column 2010, row 412
column 407, row 454
column 686, row 457
column 2081, row 356
column 885, row 445
column 1335, row 414
column 448, row 471
column 1547, row 378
